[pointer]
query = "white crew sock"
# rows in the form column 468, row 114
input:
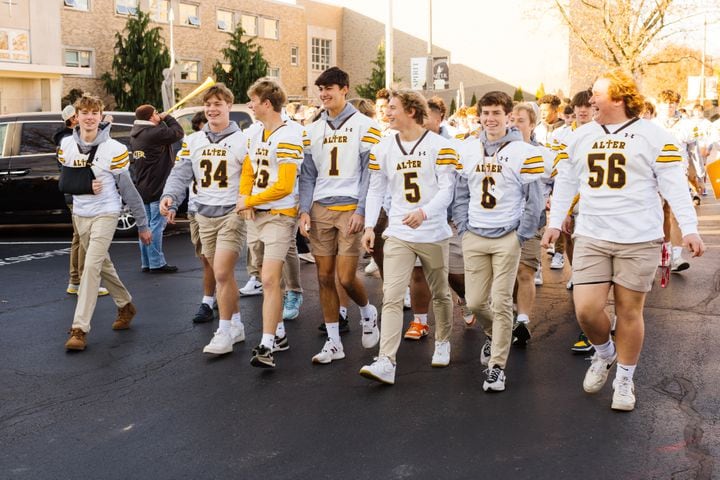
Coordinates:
column 677, row 252
column 280, row 330
column 625, row 371
column 421, row 317
column 366, row 311
column 209, row 301
column 224, row 326
column 333, row 331
column 523, row 318
column 606, row 350
column 268, row 340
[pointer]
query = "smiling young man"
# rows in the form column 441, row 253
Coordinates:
column 333, row 187
column 95, row 215
column 498, row 201
column 268, row 200
column 214, row 157
column 416, row 168
column 617, row 164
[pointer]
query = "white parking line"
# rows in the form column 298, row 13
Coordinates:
column 41, row 255
column 60, row 243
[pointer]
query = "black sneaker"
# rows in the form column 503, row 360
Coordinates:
column 521, row 334
column 281, row 344
column 262, row 357
column 582, row 345
column 344, row 326
column 204, row 314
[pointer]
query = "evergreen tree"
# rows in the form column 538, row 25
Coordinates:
column 518, row 95
column 247, row 64
column 377, row 76
column 540, row 92
column 137, row 67
column 453, row 107
column 473, row 100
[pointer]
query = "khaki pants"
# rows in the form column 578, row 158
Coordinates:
column 491, row 266
column 77, row 258
column 398, row 264
column 96, row 234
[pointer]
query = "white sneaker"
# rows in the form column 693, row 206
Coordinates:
column 558, row 261
column 441, row 357
column 307, row 257
column 406, row 300
column 371, row 268
column 371, row 333
column 624, row 394
column 237, row 333
column 330, row 351
column 72, row 288
column 551, row 249
column 382, row 370
column 597, row 374
column 538, row 277
column 495, row 380
column 678, row 263
column 102, row 291
column 569, row 285
column 222, row 342
column 486, row 352
column 252, row 287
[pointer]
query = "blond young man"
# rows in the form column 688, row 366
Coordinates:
column 333, row 187
column 268, row 200
column 95, row 215
column 497, row 206
column 417, row 168
column 214, row 157
column 617, row 164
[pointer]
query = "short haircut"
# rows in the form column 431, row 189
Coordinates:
column 89, row 102
column 364, row 106
column 698, row 106
column 198, row 120
column 526, row 107
column 333, row 76
column 649, row 108
column 581, row 99
column 382, row 94
column 438, row 104
column 550, row 99
column 623, row 87
column 568, row 110
column 268, row 89
column 220, row 91
column 411, row 100
column 669, row 96
column 494, row 98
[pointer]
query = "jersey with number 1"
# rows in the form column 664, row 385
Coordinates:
column 336, row 151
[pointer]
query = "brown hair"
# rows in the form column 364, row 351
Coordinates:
column 550, row 99
column 526, row 107
column 268, row 89
column 669, row 96
column 364, row 106
column 383, row 93
column 623, row 87
column 220, row 91
column 413, row 101
column 89, row 102
column 438, row 104
column 496, row 97
column 581, row 99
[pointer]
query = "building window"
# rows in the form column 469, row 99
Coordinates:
column 320, row 54
column 273, row 72
column 78, row 58
column 126, row 7
column 225, row 21
column 14, row 45
column 189, row 70
column 294, row 56
column 249, row 25
column 160, row 11
column 189, row 15
column 270, row 28
column 78, row 4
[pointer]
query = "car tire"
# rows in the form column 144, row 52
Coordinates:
column 126, row 226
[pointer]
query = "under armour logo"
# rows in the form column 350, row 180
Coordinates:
column 629, row 135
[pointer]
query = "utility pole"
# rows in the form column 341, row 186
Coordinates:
column 389, row 67
column 702, row 66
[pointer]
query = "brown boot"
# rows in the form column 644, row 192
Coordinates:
column 76, row 340
column 125, row 316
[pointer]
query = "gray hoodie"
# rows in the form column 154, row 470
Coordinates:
column 527, row 226
column 309, row 173
column 125, row 186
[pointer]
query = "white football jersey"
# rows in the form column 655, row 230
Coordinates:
column 618, row 170
column 416, row 176
column 496, row 181
column 268, row 152
column 336, row 151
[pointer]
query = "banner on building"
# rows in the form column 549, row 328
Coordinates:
column 418, row 73
column 441, row 73
column 694, row 85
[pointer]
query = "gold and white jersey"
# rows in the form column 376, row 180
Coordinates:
column 417, row 175
column 618, row 170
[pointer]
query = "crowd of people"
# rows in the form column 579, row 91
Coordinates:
column 450, row 217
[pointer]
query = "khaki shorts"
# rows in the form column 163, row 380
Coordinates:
column 272, row 236
column 195, row 234
column 221, row 233
column 327, row 233
column 530, row 253
column 630, row 265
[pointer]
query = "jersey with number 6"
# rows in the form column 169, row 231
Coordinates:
column 618, row 170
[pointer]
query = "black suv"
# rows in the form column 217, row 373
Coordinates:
column 29, row 168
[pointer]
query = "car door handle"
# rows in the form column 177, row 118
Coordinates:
column 19, row 173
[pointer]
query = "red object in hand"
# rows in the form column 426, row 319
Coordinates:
column 665, row 265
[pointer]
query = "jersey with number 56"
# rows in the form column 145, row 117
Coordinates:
column 618, row 170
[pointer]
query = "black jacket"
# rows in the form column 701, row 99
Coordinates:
column 153, row 155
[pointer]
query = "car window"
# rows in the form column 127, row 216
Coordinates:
column 242, row 119
column 121, row 133
column 37, row 138
column 185, row 122
column 3, row 133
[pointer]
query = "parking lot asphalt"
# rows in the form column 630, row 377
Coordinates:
column 146, row 403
